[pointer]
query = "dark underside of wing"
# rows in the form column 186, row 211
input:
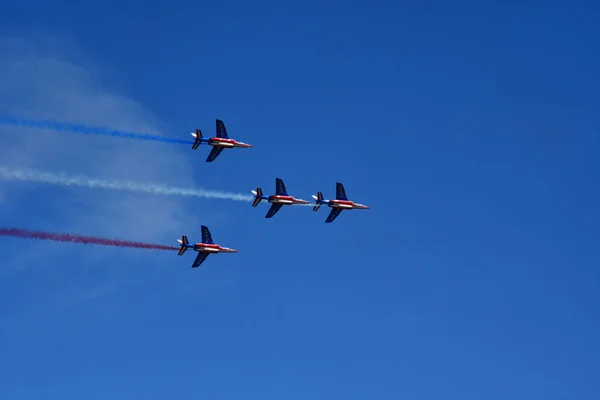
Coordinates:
column 221, row 131
column 333, row 214
column 200, row 259
column 214, row 153
column 206, row 236
column 273, row 210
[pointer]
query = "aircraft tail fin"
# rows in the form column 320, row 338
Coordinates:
column 258, row 196
column 198, row 137
column 318, row 200
column 183, row 242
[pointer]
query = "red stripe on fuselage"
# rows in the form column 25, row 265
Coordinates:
column 346, row 202
column 214, row 246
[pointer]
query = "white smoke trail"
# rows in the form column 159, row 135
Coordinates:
column 32, row 175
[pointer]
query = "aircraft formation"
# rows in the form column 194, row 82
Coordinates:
column 278, row 200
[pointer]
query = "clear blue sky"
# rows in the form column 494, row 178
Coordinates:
column 472, row 130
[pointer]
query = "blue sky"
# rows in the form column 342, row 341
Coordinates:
column 471, row 130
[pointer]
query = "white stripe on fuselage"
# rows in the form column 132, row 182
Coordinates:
column 341, row 205
column 207, row 249
column 222, row 144
column 281, row 201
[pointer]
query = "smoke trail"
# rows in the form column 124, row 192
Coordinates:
column 66, row 237
column 32, row 175
column 90, row 130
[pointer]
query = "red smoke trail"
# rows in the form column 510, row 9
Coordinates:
column 66, row 237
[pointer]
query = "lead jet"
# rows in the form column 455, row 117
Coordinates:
column 220, row 142
column 340, row 203
column 204, row 249
column 277, row 200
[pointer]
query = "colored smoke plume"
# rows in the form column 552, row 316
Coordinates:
column 72, row 238
column 89, row 130
column 32, row 175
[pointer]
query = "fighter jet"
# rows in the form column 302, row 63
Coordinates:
column 340, row 203
column 279, row 199
column 204, row 249
column 219, row 143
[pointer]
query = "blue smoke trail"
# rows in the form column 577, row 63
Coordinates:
column 80, row 128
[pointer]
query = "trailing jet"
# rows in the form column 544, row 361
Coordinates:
column 340, row 203
column 204, row 249
column 277, row 200
column 219, row 143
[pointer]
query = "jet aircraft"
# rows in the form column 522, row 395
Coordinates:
column 277, row 200
column 204, row 249
column 220, row 142
column 340, row 203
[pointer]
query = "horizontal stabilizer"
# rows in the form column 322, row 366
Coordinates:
column 318, row 200
column 198, row 136
column 183, row 242
column 258, row 194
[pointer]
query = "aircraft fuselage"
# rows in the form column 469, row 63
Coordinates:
column 228, row 143
column 219, row 142
column 210, row 248
column 286, row 200
column 345, row 204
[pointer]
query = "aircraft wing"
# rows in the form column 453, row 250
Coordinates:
column 273, row 210
column 280, row 189
column 214, row 153
column 333, row 214
column 200, row 258
column 221, row 131
column 206, row 236
column 340, row 192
